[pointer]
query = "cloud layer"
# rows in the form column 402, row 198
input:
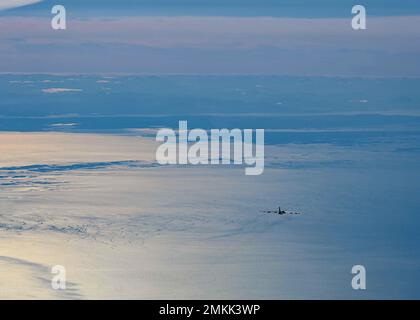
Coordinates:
column 390, row 45
column 9, row 4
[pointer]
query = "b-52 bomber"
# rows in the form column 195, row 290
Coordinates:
column 281, row 212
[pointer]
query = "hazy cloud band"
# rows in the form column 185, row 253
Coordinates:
column 390, row 45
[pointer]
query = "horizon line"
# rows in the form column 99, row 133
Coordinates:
column 207, row 74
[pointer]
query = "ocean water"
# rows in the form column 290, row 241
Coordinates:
column 79, row 187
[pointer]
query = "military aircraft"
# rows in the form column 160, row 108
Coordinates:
column 281, row 212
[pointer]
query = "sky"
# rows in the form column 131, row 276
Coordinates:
column 278, row 8
column 298, row 37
